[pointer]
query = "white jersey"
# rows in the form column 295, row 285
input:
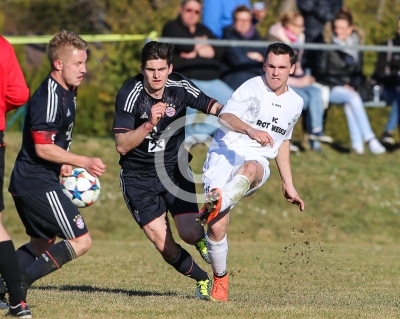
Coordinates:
column 255, row 104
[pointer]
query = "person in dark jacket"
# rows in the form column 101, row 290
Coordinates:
column 201, row 63
column 387, row 74
column 243, row 63
column 316, row 14
column 341, row 70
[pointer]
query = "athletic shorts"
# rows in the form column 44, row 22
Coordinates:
column 2, row 164
column 48, row 215
column 148, row 198
column 221, row 165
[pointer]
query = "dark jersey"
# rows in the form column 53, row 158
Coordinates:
column 49, row 119
column 133, row 108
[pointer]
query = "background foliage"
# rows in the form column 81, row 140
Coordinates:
column 110, row 64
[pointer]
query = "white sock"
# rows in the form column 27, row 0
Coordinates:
column 233, row 191
column 218, row 253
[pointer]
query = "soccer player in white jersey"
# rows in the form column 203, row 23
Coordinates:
column 258, row 122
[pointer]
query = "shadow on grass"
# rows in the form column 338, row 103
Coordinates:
column 92, row 289
column 339, row 147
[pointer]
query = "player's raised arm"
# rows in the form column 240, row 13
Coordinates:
column 127, row 141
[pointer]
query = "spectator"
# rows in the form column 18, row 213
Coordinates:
column 243, row 62
column 316, row 13
column 387, row 75
column 217, row 14
column 340, row 69
column 201, row 63
column 290, row 30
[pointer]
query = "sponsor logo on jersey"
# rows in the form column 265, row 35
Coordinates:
column 273, row 128
column 144, row 116
column 170, row 111
column 156, row 145
column 274, row 104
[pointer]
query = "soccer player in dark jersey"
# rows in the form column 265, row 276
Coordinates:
column 146, row 107
column 13, row 93
column 42, row 206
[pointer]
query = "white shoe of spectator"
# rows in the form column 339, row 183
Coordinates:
column 294, row 148
column 358, row 149
column 375, row 147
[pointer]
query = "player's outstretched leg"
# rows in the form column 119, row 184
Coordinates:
column 218, row 200
column 211, row 207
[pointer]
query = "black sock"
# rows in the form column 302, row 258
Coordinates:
column 51, row 260
column 25, row 256
column 9, row 270
column 185, row 264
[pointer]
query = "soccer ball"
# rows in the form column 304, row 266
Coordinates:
column 81, row 188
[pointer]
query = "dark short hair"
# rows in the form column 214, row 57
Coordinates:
column 154, row 50
column 240, row 9
column 183, row 2
column 279, row 48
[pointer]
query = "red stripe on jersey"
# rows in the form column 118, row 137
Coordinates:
column 43, row 137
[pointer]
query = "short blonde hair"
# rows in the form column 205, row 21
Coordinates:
column 62, row 41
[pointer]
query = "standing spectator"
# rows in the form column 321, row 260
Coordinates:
column 13, row 93
column 290, row 30
column 201, row 63
column 341, row 70
column 35, row 186
column 243, row 62
column 316, row 14
column 387, row 73
column 217, row 14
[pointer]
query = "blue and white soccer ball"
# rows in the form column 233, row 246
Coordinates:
column 81, row 188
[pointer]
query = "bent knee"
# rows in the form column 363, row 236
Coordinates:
column 251, row 168
column 81, row 244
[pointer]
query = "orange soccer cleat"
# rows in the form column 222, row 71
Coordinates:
column 211, row 207
column 219, row 291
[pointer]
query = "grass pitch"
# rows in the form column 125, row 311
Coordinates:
column 291, row 279
column 337, row 259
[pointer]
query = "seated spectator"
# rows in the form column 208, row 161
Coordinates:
column 243, row 63
column 386, row 74
column 199, row 62
column 290, row 30
column 341, row 69
column 217, row 14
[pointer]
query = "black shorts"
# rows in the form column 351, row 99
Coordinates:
column 2, row 164
column 147, row 198
column 48, row 215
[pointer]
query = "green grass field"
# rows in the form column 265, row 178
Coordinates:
column 337, row 259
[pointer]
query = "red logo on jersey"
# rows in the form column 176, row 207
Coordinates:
column 170, row 111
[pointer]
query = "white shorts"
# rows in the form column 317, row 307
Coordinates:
column 221, row 165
